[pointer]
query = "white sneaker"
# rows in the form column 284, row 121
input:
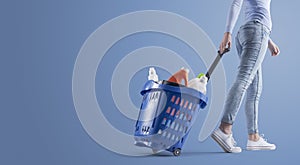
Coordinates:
column 226, row 141
column 261, row 144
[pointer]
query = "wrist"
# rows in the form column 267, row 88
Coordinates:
column 227, row 33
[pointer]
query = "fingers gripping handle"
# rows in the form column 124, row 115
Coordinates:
column 225, row 51
column 215, row 63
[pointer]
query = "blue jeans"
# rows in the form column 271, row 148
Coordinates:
column 251, row 42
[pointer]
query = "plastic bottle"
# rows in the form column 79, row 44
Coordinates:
column 180, row 75
column 199, row 83
column 152, row 74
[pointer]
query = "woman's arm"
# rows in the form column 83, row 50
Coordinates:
column 232, row 17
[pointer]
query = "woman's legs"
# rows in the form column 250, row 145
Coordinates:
column 252, row 41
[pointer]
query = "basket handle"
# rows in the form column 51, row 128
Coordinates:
column 215, row 63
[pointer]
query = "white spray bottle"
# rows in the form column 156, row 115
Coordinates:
column 152, row 74
column 199, row 83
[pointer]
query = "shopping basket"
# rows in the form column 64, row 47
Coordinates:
column 166, row 116
column 167, row 113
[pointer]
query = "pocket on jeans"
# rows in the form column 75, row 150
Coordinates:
column 249, row 34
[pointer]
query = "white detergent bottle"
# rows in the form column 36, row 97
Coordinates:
column 152, row 74
column 199, row 83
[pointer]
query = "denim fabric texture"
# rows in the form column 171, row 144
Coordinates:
column 251, row 42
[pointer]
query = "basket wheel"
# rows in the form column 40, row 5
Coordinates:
column 177, row 152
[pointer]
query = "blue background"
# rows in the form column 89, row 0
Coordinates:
column 40, row 41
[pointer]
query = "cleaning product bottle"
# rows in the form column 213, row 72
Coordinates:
column 152, row 74
column 180, row 75
column 199, row 83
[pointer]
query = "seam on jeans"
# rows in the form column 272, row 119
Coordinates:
column 254, row 113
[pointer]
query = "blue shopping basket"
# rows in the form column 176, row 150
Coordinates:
column 166, row 115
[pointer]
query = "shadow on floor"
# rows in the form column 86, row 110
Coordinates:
column 185, row 153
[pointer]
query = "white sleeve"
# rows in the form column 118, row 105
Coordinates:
column 233, row 15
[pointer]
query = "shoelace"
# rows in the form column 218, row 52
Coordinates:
column 263, row 137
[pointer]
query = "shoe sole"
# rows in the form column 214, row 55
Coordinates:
column 256, row 148
column 220, row 142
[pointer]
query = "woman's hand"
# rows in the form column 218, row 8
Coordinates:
column 226, row 42
column 274, row 49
